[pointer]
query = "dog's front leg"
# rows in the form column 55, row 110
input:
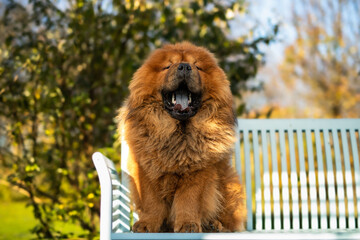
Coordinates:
column 188, row 206
column 151, row 208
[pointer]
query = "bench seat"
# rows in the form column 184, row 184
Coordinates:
column 347, row 234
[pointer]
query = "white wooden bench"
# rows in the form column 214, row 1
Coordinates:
column 302, row 181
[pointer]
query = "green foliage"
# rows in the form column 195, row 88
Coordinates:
column 63, row 74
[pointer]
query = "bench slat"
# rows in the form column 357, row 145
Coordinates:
column 303, row 181
column 294, row 183
column 330, row 181
column 321, row 180
column 237, row 156
column 266, row 180
column 348, row 180
column 257, row 173
column 312, row 180
column 284, row 182
column 275, row 181
column 339, row 180
column 248, row 179
column 355, row 154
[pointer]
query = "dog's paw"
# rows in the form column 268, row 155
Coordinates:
column 145, row 227
column 215, row 226
column 188, row 227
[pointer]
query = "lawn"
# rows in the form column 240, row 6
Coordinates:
column 16, row 220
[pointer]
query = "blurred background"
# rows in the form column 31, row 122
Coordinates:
column 65, row 66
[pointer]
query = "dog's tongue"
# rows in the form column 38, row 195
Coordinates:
column 182, row 101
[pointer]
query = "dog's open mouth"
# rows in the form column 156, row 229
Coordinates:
column 181, row 104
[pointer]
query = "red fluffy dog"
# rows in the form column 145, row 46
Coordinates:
column 179, row 124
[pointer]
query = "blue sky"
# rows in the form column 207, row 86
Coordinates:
column 263, row 14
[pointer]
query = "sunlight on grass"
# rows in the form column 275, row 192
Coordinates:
column 16, row 221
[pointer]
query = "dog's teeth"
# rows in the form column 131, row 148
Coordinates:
column 173, row 99
column 189, row 97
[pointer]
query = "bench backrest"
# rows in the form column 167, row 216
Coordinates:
column 299, row 174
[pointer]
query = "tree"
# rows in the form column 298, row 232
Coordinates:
column 64, row 71
column 325, row 57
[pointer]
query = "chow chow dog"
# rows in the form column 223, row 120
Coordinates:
column 179, row 124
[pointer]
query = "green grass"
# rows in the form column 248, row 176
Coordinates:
column 17, row 220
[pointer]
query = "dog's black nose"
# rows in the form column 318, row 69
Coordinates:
column 184, row 67
column 184, row 70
